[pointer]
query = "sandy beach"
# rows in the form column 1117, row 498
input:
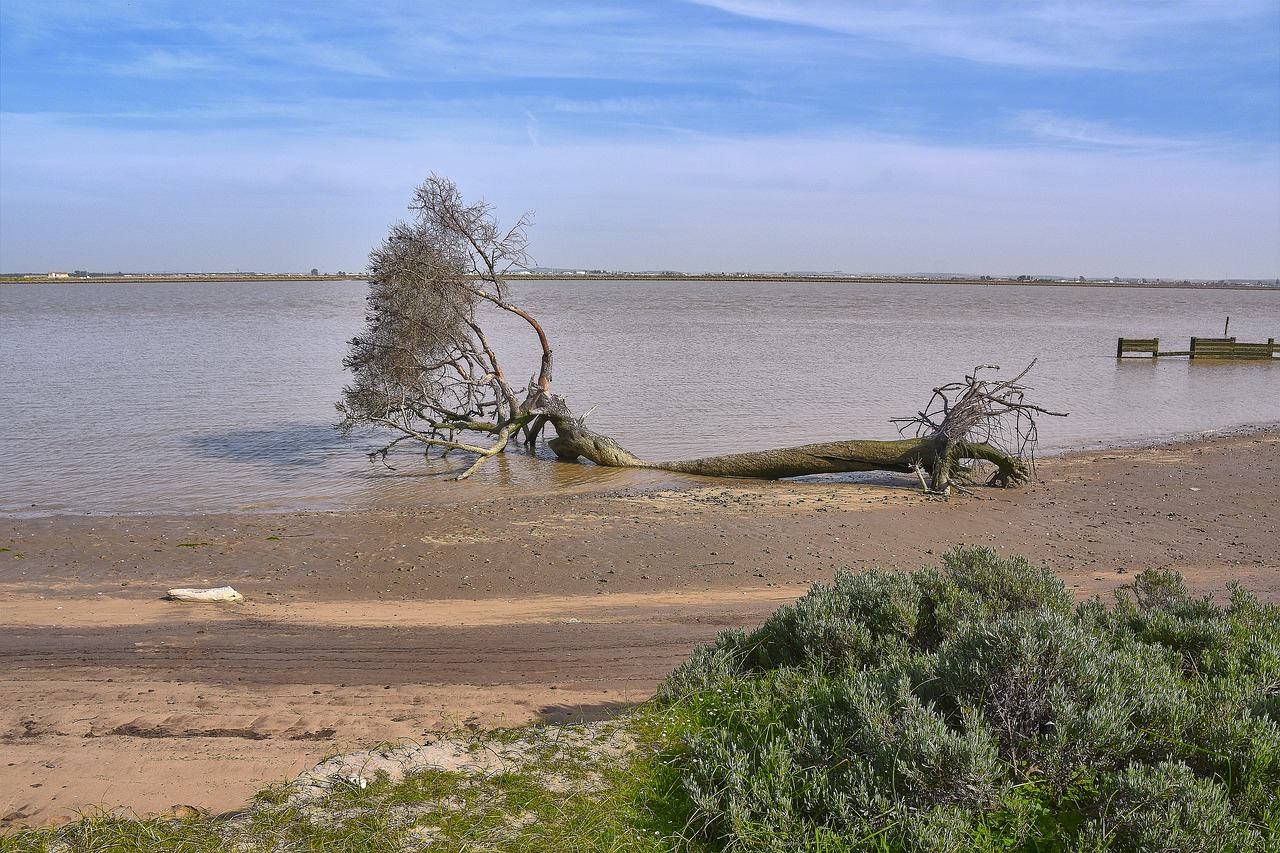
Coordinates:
column 382, row 625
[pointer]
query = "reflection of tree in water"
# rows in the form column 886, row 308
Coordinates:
column 424, row 369
column 288, row 445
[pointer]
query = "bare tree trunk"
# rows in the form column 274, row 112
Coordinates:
column 941, row 459
column 573, row 440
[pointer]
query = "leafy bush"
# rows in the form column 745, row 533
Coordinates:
column 972, row 707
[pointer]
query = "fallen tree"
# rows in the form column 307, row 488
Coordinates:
column 425, row 370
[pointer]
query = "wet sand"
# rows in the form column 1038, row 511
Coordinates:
column 383, row 625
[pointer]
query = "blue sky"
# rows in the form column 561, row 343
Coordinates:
column 1096, row 138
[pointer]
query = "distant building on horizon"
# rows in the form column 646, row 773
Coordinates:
column 59, row 275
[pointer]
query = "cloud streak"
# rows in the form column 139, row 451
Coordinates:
column 1047, row 125
column 1035, row 34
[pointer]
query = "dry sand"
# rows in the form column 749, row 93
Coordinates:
column 375, row 626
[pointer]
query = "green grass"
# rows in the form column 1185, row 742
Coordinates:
column 571, row 788
column 967, row 707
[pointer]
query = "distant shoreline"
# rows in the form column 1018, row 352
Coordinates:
column 900, row 279
column 624, row 277
column 176, row 278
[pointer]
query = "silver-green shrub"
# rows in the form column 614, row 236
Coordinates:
column 971, row 707
column 1166, row 808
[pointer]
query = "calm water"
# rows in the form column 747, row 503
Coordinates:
column 210, row 396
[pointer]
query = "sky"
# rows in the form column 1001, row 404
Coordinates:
column 1132, row 138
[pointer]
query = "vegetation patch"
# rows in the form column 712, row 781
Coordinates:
column 972, row 707
column 538, row 788
column 967, row 707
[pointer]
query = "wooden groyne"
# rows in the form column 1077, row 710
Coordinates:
column 1217, row 348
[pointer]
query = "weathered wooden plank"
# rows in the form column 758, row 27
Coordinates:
column 1212, row 347
column 1217, row 348
column 1254, row 351
column 1141, row 346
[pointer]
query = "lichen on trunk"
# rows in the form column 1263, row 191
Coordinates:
column 942, row 459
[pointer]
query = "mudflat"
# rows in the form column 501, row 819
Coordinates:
column 383, row 625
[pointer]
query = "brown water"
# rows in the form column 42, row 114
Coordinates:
column 212, row 396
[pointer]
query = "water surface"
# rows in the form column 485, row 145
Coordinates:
column 202, row 396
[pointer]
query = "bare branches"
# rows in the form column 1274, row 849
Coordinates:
column 423, row 365
column 977, row 413
column 469, row 233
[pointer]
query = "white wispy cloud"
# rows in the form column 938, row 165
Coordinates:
column 1050, row 126
column 1023, row 33
column 159, row 64
column 286, row 45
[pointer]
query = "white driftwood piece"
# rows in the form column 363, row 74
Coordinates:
column 222, row 593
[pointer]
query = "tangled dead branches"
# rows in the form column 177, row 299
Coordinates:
column 982, row 411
